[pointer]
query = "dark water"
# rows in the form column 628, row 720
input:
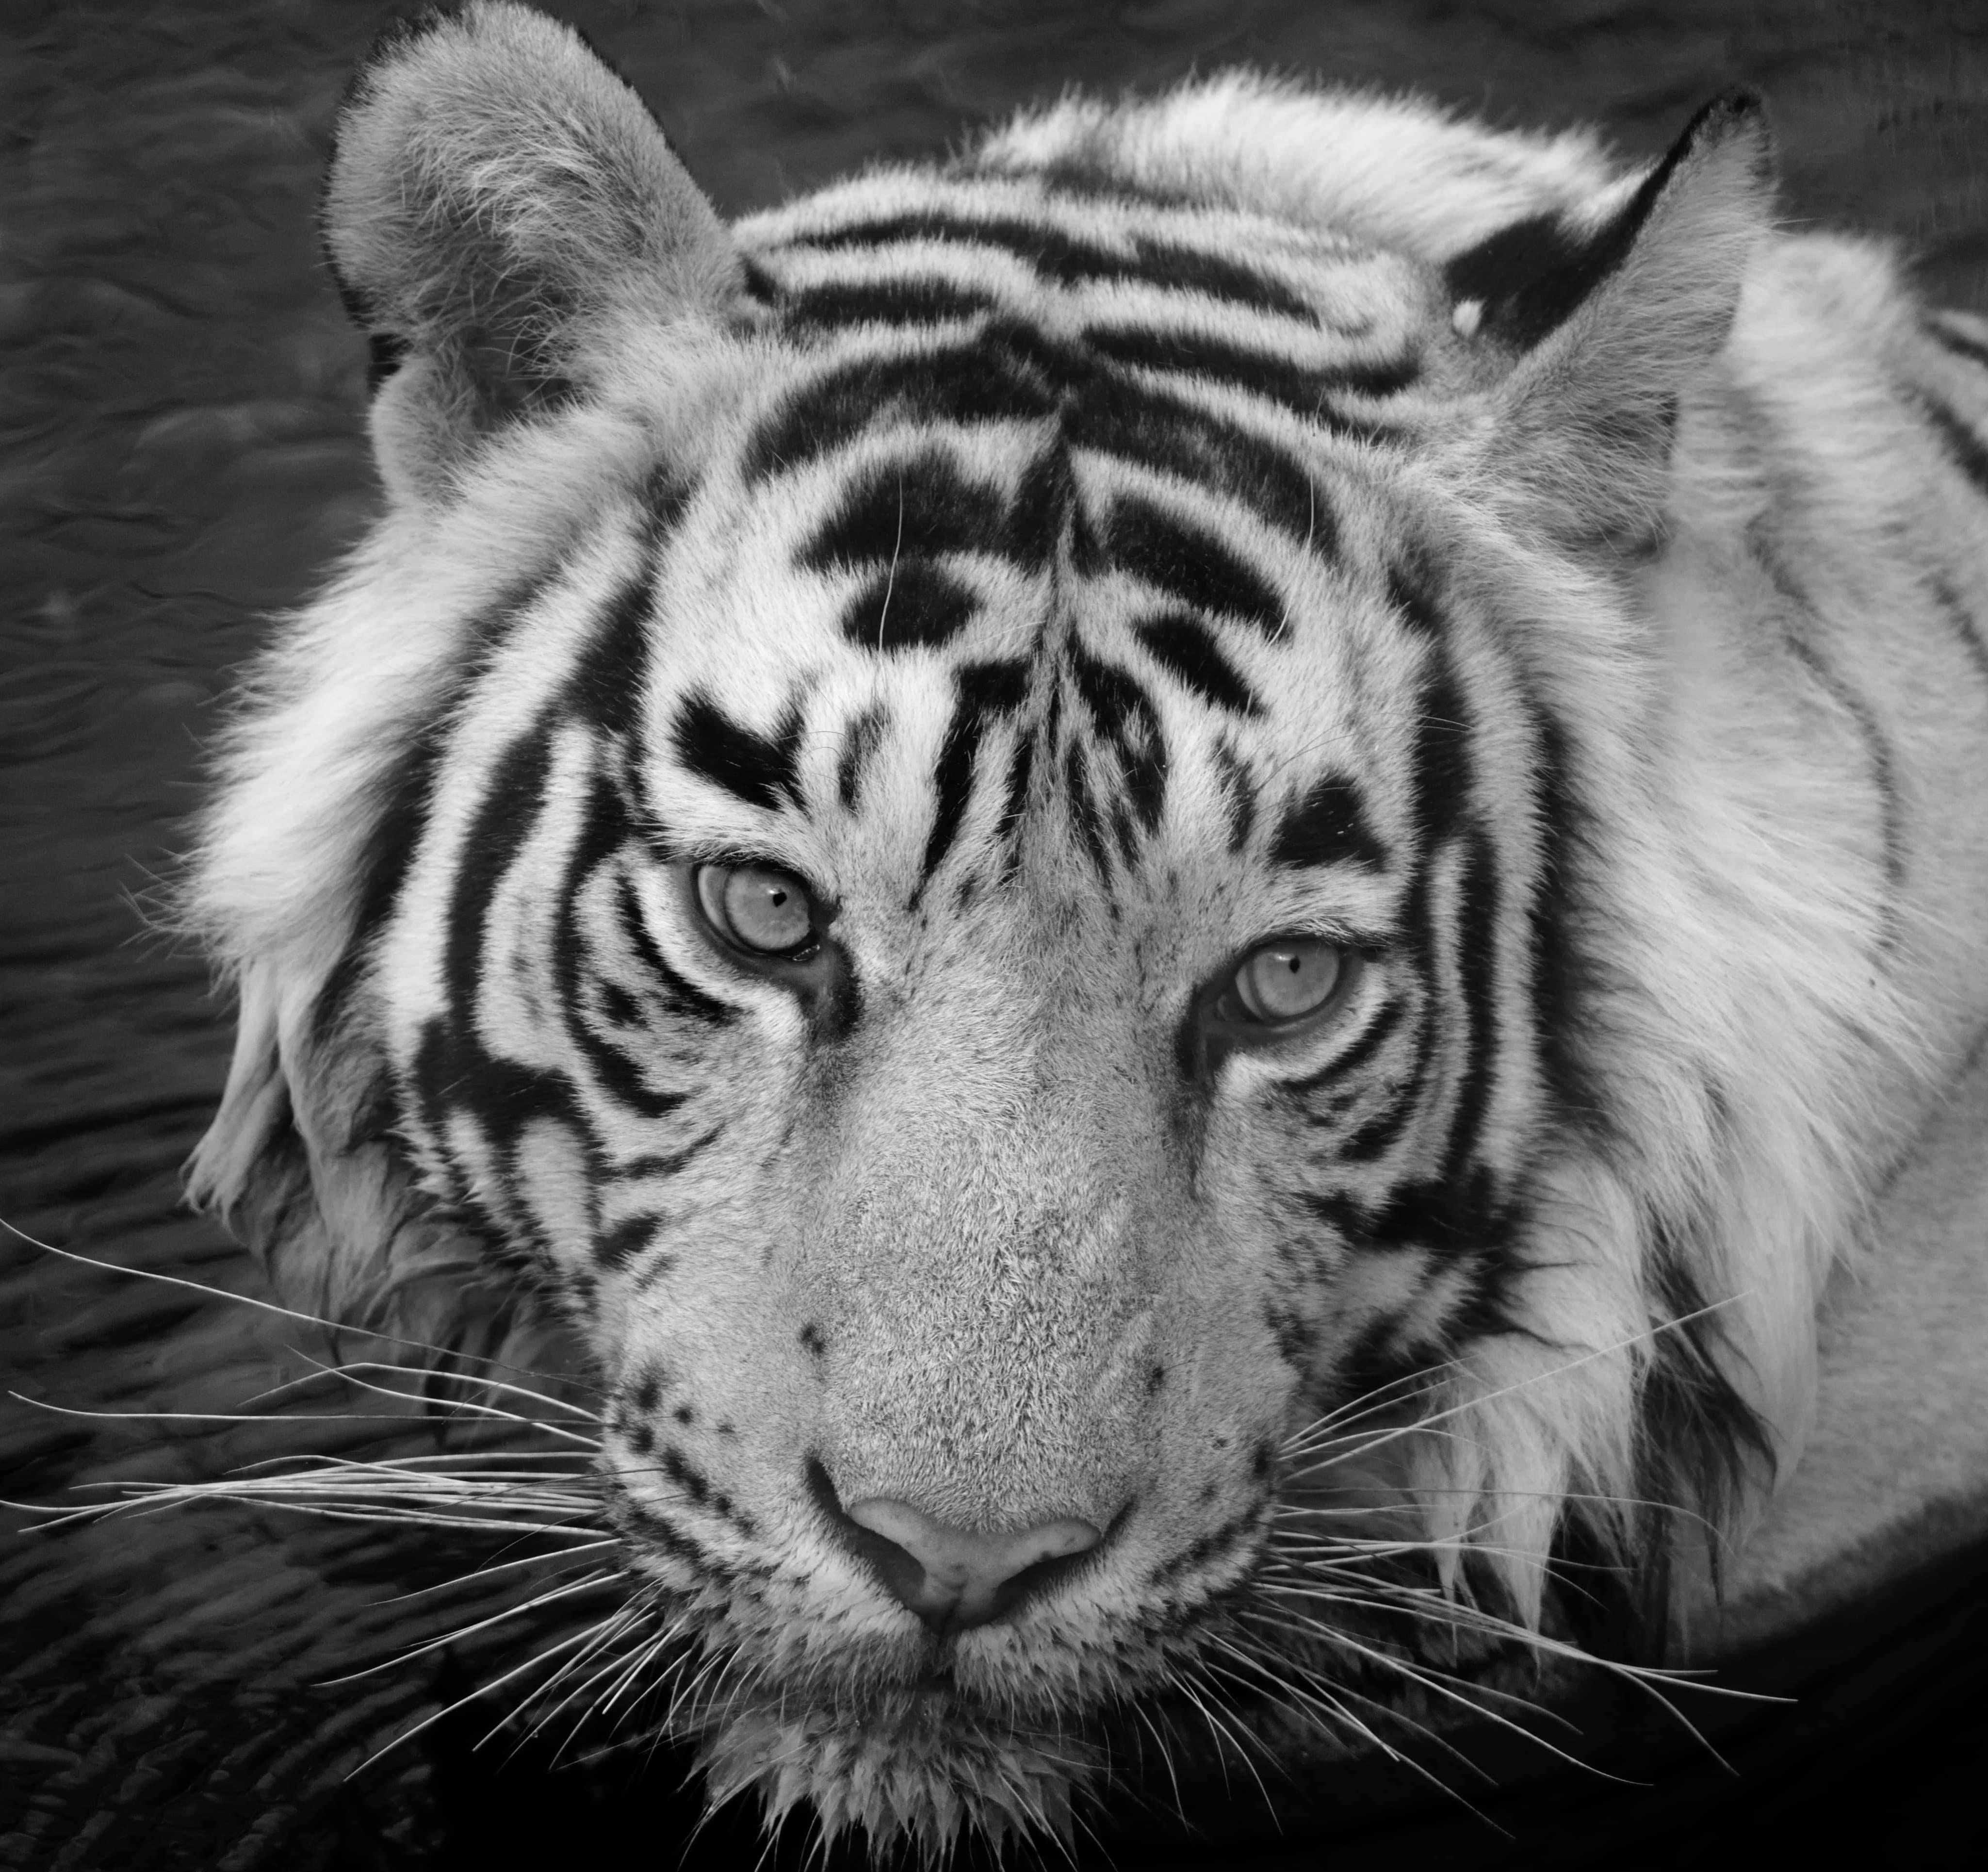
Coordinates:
column 182, row 419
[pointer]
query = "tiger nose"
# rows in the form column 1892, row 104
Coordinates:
column 956, row 1578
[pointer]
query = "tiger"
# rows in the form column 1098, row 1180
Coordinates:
column 1179, row 883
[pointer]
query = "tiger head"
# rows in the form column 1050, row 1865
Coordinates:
column 998, row 829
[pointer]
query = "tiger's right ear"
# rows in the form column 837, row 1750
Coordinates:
column 1606, row 332
column 498, row 200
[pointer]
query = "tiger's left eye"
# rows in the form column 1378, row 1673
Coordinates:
column 1288, row 979
column 757, row 907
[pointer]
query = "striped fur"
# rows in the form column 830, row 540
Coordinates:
column 1253, row 512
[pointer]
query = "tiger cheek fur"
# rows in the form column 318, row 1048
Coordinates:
column 1115, row 870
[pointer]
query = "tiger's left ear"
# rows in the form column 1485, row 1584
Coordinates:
column 1610, row 327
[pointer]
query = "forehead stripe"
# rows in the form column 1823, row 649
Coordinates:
column 980, row 692
column 1069, row 261
column 1009, row 373
column 1148, row 428
column 910, row 605
column 1240, row 791
column 1188, row 562
column 920, row 301
column 1183, row 648
column 749, row 766
column 1297, row 386
column 858, row 748
column 960, row 383
column 1327, row 826
column 1126, row 720
column 921, row 505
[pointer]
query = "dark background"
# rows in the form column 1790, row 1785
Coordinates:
column 182, row 454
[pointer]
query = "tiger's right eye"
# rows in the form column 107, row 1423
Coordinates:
column 757, row 908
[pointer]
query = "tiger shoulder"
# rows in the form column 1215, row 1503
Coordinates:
column 1182, row 887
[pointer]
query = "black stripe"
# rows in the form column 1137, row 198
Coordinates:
column 1944, row 335
column 1180, row 557
column 982, row 690
column 611, row 679
column 1560, row 992
column 1069, row 261
column 953, row 782
column 672, row 1162
column 1299, row 387
column 918, row 508
column 958, row 383
column 1124, row 716
column 859, row 749
column 1193, row 270
column 1328, row 826
column 1386, row 1019
column 1477, row 957
column 512, row 800
column 1441, row 783
column 1043, row 501
column 1117, row 705
column 1964, row 625
column 451, row 1069
column 651, row 1528
column 684, row 996
column 1378, row 1135
column 403, row 794
column 1082, row 806
column 603, row 835
column 1409, row 593
column 921, row 301
column 1455, row 1216
column 1964, row 444
column 622, row 1243
column 1442, row 765
column 912, row 605
column 1015, row 373
column 1182, row 646
column 1240, row 790
column 1156, row 430
column 993, row 687
column 1122, row 829
column 749, row 766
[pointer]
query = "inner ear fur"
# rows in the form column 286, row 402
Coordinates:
column 498, row 200
column 1608, row 328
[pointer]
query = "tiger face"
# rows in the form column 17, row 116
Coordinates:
column 947, row 973
column 980, row 826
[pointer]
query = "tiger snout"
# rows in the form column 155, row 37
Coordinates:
column 986, row 1391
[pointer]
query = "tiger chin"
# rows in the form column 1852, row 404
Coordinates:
column 1176, row 884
